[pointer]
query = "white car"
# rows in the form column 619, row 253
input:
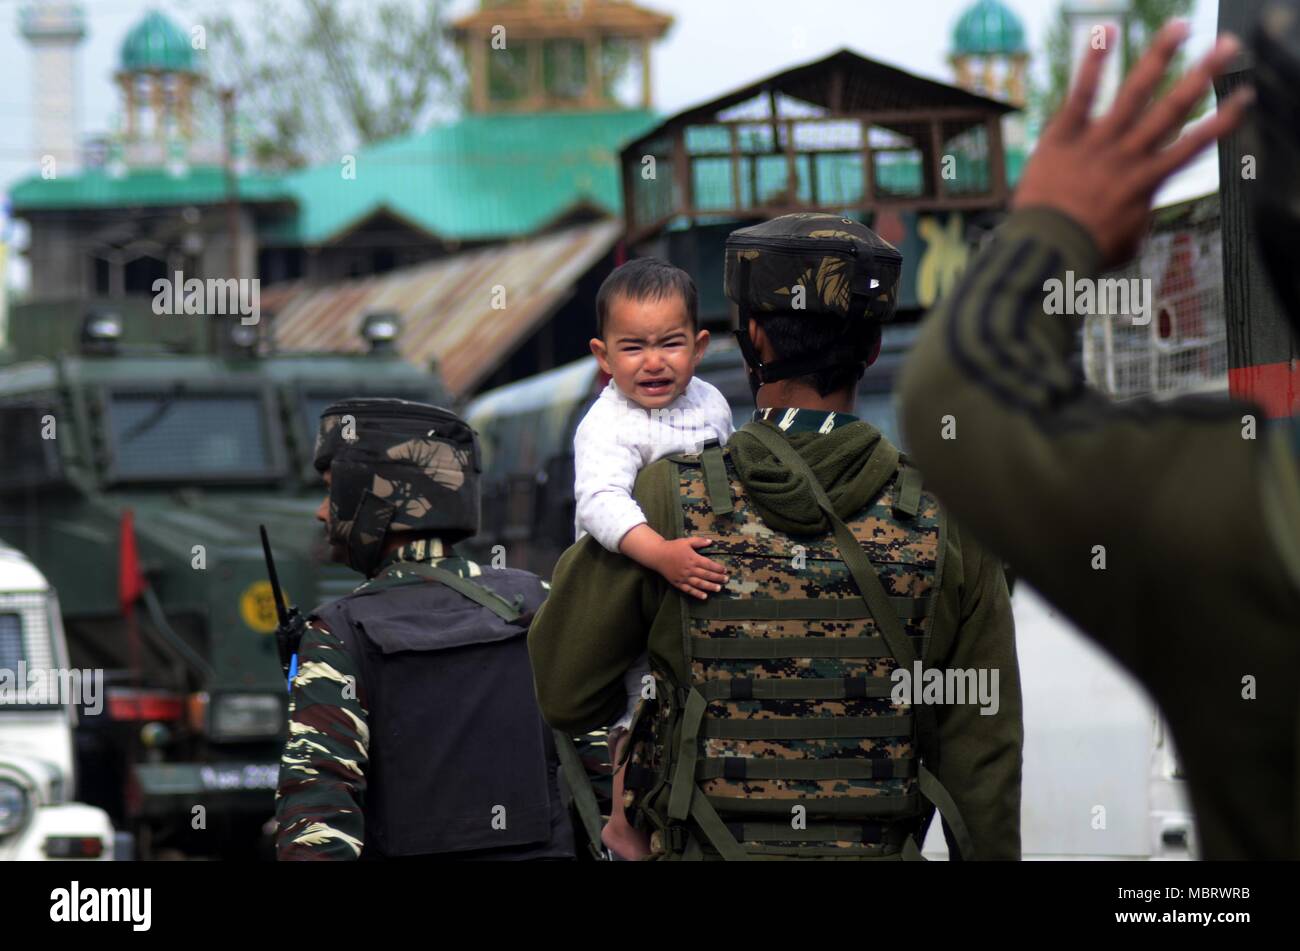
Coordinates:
column 38, row 819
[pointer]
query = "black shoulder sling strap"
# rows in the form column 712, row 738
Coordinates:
column 508, row 611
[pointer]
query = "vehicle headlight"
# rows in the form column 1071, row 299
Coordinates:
column 13, row 806
column 239, row 716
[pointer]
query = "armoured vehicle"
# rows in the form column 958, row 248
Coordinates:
column 1075, row 757
column 135, row 478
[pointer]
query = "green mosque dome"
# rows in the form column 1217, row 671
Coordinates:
column 989, row 28
column 156, row 43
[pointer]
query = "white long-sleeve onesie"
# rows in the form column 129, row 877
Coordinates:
column 614, row 441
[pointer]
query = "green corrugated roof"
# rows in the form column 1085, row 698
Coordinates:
column 484, row 176
column 95, row 188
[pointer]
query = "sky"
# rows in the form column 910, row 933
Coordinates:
column 714, row 46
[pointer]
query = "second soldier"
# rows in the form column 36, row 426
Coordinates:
column 414, row 729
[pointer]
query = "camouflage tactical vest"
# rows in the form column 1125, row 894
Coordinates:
column 785, row 741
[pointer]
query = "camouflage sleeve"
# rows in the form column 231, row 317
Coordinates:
column 322, row 771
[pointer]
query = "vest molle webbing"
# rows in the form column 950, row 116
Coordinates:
column 788, row 703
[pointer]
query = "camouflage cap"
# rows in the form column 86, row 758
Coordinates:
column 396, row 466
column 814, row 263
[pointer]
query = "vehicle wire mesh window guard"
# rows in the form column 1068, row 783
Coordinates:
column 1183, row 348
column 31, row 460
column 25, row 637
column 160, row 435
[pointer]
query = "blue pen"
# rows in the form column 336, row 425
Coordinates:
column 293, row 670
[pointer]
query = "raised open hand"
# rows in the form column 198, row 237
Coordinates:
column 1104, row 172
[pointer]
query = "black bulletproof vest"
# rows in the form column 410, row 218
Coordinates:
column 461, row 762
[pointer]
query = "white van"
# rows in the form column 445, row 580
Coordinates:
column 39, row 821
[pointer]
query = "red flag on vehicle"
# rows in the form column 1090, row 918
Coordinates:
column 130, row 580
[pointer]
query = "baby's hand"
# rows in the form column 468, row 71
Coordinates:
column 687, row 570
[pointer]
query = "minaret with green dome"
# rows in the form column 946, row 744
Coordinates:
column 989, row 51
column 991, row 56
column 159, row 74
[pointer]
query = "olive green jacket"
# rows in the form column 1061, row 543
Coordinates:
column 604, row 611
column 1163, row 530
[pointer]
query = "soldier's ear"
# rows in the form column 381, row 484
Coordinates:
column 758, row 336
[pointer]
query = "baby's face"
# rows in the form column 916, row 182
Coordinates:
column 649, row 349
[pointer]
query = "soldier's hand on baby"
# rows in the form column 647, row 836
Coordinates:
column 686, row 569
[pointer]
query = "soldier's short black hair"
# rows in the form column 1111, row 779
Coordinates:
column 646, row 279
column 801, row 336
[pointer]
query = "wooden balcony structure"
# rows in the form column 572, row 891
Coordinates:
column 842, row 134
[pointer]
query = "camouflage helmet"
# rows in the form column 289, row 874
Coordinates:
column 817, row 264
column 396, row 466
column 843, row 267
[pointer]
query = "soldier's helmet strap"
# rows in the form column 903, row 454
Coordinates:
column 365, row 540
column 784, row 369
column 844, row 353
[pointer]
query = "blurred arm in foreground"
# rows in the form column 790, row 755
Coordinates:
column 1159, row 529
